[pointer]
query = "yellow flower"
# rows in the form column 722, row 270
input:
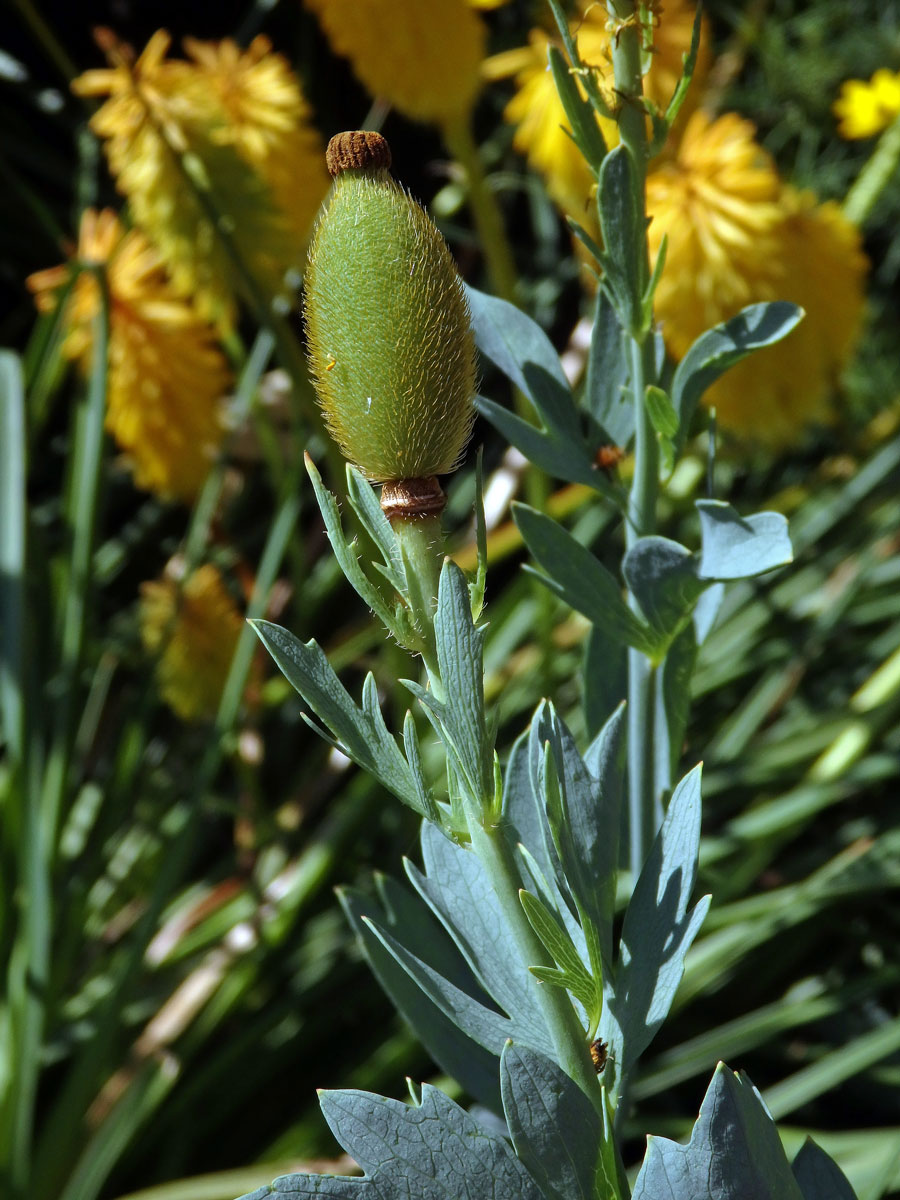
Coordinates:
column 167, row 375
column 203, row 150
column 542, row 132
column 423, row 58
column 738, row 236
column 267, row 121
column 717, row 202
column 194, row 629
column 864, row 109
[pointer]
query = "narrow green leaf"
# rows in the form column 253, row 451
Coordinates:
column 361, row 732
column 482, row 1024
column 585, row 130
column 456, row 888
column 345, row 552
column 580, row 817
column 561, row 459
column 659, row 927
column 513, row 341
column 661, row 411
column 459, row 717
column 623, row 232
column 13, row 602
column 405, row 915
column 558, row 945
column 366, row 506
column 577, row 577
column 606, row 386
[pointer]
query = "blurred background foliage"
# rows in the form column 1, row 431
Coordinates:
column 179, row 978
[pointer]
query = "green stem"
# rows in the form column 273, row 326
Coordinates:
column 422, row 545
column 874, row 177
column 643, row 803
column 485, row 209
column 489, row 842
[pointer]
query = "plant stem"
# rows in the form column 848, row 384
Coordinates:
column 485, row 210
column 874, row 176
column 643, row 804
column 490, row 844
column 422, row 545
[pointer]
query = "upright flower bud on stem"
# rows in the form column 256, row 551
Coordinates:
column 390, row 344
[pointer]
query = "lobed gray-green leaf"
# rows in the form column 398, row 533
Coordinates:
column 734, row 1152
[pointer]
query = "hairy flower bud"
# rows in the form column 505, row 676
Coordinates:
column 388, row 326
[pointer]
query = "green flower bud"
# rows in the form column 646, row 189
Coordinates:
column 388, row 326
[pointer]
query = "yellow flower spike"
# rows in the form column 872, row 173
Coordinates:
column 737, row 236
column 204, row 149
column 865, row 109
column 268, row 121
column 423, row 58
column 542, row 126
column 167, row 375
column 717, row 202
column 388, row 326
column 194, row 630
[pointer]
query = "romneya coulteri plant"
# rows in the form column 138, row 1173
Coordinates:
column 503, row 950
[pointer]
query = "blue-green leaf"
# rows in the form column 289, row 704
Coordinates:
column 662, row 576
column 736, row 547
column 460, row 716
column 575, row 575
column 367, row 507
column 585, row 130
column 725, row 345
column 571, row 973
column 359, row 731
column 659, row 928
column 559, row 458
column 410, row 920
column 456, row 888
column 606, row 395
column 482, row 1024
column 819, row 1177
column 555, row 1128
column 523, row 352
column 432, row 1148
column 605, row 675
column 622, row 226
column 586, row 850
column 734, row 1152
column 345, row 551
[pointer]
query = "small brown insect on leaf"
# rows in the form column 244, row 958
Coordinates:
column 609, row 456
column 599, row 1055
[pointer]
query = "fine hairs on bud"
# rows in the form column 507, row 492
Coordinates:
column 388, row 327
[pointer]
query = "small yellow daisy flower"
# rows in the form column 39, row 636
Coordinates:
column 167, row 375
column 542, row 128
column 737, row 236
column 864, row 109
column 194, row 629
column 203, row 150
column 423, row 59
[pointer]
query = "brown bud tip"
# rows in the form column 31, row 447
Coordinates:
column 412, row 497
column 357, row 150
